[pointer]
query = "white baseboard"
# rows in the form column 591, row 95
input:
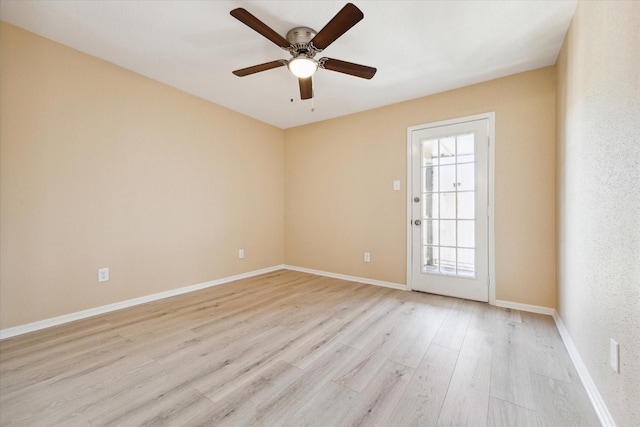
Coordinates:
column 346, row 277
column 54, row 321
column 525, row 307
column 594, row 395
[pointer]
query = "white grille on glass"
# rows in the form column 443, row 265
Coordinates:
column 448, row 192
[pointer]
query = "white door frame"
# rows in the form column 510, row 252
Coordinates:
column 491, row 116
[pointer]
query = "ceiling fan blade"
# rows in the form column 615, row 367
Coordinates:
column 257, row 68
column 254, row 23
column 306, row 88
column 348, row 16
column 347, row 68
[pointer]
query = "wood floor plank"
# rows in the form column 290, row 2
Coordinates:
column 510, row 380
column 324, row 409
column 502, row 413
column 255, row 361
column 284, row 404
column 313, row 343
column 265, row 384
column 546, row 353
column 509, row 315
column 562, row 403
column 367, row 323
column 45, row 367
column 484, row 317
column 227, row 413
column 420, row 330
column 358, row 371
column 21, row 348
column 165, row 409
column 374, row 405
column 467, row 400
column 73, row 393
column 421, row 401
column 291, row 348
column 239, row 406
column 454, row 327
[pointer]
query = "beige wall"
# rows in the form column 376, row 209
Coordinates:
column 339, row 174
column 101, row 167
column 598, row 181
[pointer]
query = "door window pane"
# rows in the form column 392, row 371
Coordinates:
column 448, row 233
column 430, row 205
column 430, row 259
column 447, row 260
column 430, row 232
column 447, row 151
column 465, row 147
column 448, row 205
column 466, row 206
column 429, row 152
column 466, row 179
column 447, row 178
column 466, row 262
column 466, row 234
column 430, row 179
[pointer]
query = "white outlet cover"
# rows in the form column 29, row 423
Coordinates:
column 367, row 257
column 103, row 275
column 241, row 253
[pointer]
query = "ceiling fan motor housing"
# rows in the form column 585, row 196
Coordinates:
column 299, row 37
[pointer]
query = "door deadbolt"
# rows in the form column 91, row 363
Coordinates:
column 417, row 222
column 416, row 199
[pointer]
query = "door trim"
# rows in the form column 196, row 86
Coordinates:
column 491, row 117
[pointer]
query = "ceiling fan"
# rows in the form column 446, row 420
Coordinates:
column 303, row 44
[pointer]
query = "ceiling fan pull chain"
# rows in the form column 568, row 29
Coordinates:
column 313, row 96
column 294, row 88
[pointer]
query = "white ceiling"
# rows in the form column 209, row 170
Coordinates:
column 418, row 47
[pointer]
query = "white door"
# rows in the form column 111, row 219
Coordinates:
column 449, row 225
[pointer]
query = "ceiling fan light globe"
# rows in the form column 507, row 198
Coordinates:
column 302, row 67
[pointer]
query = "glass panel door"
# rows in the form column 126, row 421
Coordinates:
column 449, row 209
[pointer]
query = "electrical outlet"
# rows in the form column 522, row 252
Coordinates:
column 103, row 275
column 241, row 253
column 614, row 355
column 367, row 257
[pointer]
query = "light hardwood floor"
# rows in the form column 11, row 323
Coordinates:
column 293, row 349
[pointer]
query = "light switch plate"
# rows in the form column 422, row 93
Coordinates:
column 614, row 355
column 396, row 185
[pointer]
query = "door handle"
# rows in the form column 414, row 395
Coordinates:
column 417, row 222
